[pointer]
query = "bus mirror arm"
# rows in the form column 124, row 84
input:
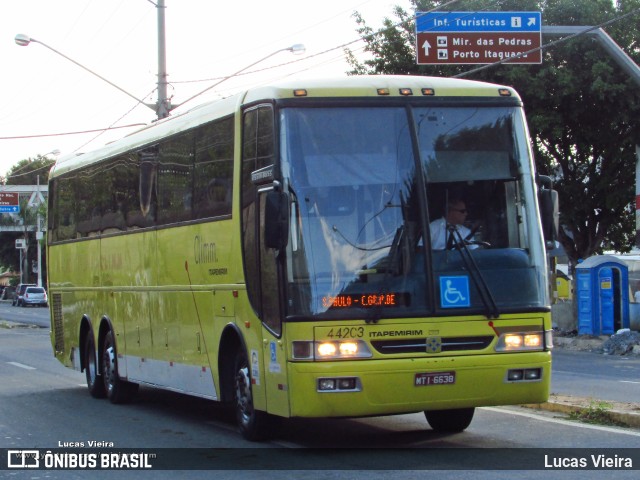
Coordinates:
column 276, row 221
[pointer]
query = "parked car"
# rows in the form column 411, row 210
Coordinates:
column 34, row 296
column 20, row 289
column 9, row 293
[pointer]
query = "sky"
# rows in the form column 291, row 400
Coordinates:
column 46, row 95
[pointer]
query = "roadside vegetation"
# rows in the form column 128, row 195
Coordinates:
column 598, row 413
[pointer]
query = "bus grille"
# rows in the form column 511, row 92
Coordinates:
column 432, row 345
column 57, row 322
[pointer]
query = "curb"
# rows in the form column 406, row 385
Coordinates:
column 587, row 344
column 625, row 413
column 578, row 343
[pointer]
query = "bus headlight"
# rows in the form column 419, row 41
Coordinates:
column 330, row 350
column 340, row 350
column 520, row 341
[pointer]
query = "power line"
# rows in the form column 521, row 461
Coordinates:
column 112, row 126
column 324, row 52
column 19, row 137
column 31, row 172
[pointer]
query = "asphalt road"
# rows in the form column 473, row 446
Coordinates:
column 37, row 316
column 46, row 406
column 603, row 377
column 584, row 374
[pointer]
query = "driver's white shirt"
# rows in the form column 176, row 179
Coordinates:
column 439, row 233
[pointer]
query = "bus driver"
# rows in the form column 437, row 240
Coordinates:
column 442, row 228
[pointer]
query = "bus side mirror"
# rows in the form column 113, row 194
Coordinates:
column 276, row 220
column 549, row 215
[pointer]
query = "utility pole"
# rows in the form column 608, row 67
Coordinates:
column 164, row 104
column 39, row 238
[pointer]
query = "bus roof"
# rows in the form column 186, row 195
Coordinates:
column 339, row 87
column 371, row 86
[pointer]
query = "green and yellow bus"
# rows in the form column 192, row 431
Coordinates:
column 271, row 250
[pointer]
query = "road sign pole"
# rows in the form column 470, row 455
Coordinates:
column 39, row 237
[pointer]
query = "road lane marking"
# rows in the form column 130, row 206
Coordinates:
column 21, row 365
column 563, row 422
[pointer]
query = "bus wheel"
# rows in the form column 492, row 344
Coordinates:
column 254, row 425
column 117, row 390
column 94, row 382
column 451, row 421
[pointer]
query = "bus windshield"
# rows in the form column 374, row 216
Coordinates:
column 366, row 185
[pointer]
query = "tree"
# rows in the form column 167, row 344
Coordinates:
column 583, row 110
column 30, row 171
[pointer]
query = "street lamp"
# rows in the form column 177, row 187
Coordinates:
column 163, row 107
column 55, row 153
column 297, row 49
column 25, row 40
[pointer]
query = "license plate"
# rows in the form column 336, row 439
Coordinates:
column 434, row 378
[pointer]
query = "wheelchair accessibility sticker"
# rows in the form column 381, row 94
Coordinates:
column 454, row 292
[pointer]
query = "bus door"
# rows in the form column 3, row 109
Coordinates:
column 273, row 346
column 261, row 261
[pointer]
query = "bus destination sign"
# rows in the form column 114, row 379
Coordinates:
column 445, row 38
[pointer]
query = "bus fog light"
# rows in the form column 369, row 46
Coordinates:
column 515, row 375
column 524, row 375
column 346, row 384
column 326, row 384
column 532, row 374
column 339, row 385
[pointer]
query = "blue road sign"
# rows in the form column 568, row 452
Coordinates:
column 513, row 22
column 454, row 292
column 9, row 208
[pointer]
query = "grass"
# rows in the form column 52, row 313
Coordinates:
column 596, row 413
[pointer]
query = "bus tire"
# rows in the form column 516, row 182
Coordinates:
column 450, row 421
column 91, row 369
column 117, row 390
column 254, row 425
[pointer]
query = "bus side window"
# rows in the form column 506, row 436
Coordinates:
column 148, row 175
column 213, row 179
column 174, row 180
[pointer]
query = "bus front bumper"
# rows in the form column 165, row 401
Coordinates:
column 385, row 387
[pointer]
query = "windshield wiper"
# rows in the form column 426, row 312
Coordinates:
column 486, row 296
column 390, row 266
